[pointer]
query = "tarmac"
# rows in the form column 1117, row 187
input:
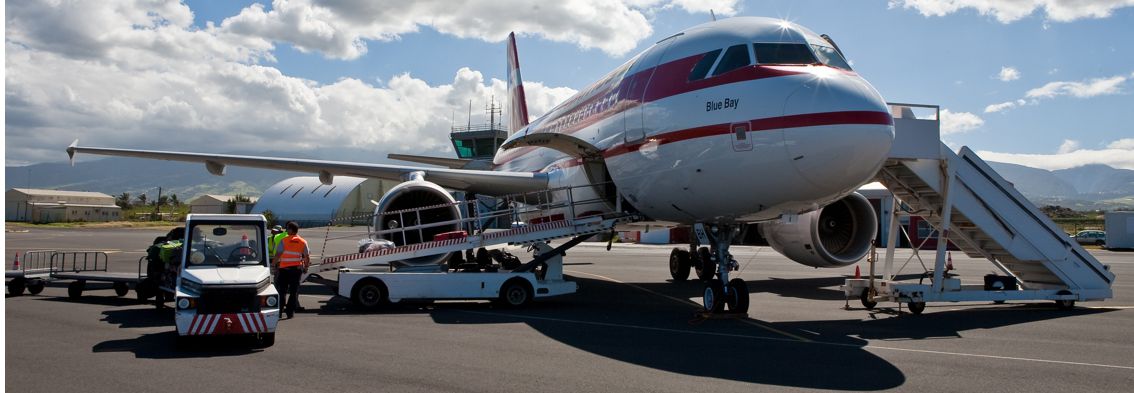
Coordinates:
column 629, row 328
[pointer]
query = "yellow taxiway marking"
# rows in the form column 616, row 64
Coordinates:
column 687, row 302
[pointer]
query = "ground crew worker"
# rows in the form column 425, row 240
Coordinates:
column 274, row 241
column 293, row 257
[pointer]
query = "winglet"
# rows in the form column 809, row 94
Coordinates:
column 71, row 151
column 517, row 103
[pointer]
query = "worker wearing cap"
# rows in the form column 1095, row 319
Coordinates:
column 293, row 257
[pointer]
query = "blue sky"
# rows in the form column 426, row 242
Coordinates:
column 1046, row 88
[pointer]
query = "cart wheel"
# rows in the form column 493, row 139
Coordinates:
column 516, row 293
column 121, row 289
column 867, row 298
column 35, row 287
column 917, row 307
column 679, row 264
column 369, row 294
column 713, row 298
column 1065, row 304
column 738, row 297
column 75, row 289
column 704, row 264
column 264, row 340
column 16, row 286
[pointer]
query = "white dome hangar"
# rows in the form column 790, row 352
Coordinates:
column 311, row 203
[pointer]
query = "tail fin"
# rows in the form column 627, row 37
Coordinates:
column 517, row 103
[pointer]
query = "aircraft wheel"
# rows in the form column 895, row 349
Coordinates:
column 916, row 307
column 679, row 264
column 713, row 299
column 867, row 298
column 75, row 289
column 16, row 286
column 516, row 293
column 738, row 297
column 369, row 294
column 704, row 264
column 121, row 289
column 35, row 287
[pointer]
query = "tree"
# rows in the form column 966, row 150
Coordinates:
column 174, row 201
column 122, row 200
column 142, row 199
column 162, row 200
column 230, row 205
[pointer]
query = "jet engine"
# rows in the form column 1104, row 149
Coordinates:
column 413, row 194
column 837, row 235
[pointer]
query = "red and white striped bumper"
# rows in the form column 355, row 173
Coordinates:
column 191, row 324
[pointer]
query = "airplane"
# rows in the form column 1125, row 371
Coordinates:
column 736, row 121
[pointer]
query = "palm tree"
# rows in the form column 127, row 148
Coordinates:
column 142, row 199
column 122, row 200
column 173, row 200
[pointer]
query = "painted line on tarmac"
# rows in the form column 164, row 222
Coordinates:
column 687, row 302
column 1070, row 363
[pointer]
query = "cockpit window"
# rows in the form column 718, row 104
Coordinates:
column 735, row 57
column 703, row 66
column 831, row 57
column 783, row 53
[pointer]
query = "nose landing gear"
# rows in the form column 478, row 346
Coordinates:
column 720, row 291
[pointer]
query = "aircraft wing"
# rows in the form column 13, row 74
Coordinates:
column 478, row 181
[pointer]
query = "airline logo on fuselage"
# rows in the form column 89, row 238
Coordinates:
column 728, row 103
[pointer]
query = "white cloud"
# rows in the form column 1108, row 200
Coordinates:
column 153, row 81
column 1085, row 89
column 1007, row 11
column 1117, row 154
column 1008, row 74
column 959, row 122
column 340, row 29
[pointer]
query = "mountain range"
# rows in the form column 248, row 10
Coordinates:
column 1090, row 187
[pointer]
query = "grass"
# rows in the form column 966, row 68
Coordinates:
column 107, row 224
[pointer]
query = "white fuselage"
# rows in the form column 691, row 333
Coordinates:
column 746, row 145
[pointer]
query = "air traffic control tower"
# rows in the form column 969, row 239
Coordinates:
column 479, row 142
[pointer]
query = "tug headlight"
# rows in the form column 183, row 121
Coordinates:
column 184, row 303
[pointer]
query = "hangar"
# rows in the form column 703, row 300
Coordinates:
column 309, row 202
column 43, row 206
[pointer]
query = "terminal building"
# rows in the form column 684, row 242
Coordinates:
column 310, row 203
column 46, row 206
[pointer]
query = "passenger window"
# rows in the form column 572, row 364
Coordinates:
column 703, row 66
column 831, row 57
column 781, row 53
column 735, row 57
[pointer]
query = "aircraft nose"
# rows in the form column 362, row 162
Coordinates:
column 844, row 131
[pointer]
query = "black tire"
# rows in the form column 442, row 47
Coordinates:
column 35, row 287
column 713, row 299
column 704, row 264
column 738, row 297
column 867, row 299
column 75, row 289
column 265, row 340
column 997, row 302
column 917, row 307
column 1065, row 304
column 1100, row 243
column 121, row 289
column 16, row 286
column 369, row 294
column 679, row 264
column 516, row 292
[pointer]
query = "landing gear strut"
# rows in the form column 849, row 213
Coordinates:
column 720, row 291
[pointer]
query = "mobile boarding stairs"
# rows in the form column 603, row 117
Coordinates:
column 973, row 207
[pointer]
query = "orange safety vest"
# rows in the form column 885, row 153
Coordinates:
column 294, row 248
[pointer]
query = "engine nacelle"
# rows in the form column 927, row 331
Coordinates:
column 837, row 235
column 417, row 193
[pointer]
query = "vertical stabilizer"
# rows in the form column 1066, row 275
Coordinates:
column 517, row 104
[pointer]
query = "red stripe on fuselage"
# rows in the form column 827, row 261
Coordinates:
column 771, row 123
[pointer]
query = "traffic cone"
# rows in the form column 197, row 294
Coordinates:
column 857, row 273
column 16, row 263
column 949, row 261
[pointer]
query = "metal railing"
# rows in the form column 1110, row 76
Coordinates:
column 80, row 261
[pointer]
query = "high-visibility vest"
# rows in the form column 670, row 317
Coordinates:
column 293, row 249
column 274, row 241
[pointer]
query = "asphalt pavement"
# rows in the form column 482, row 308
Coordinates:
column 628, row 329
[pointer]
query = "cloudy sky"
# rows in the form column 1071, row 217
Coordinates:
column 1045, row 83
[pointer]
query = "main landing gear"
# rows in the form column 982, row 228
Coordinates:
column 719, row 290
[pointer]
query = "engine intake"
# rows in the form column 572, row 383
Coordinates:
column 837, row 235
column 414, row 194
